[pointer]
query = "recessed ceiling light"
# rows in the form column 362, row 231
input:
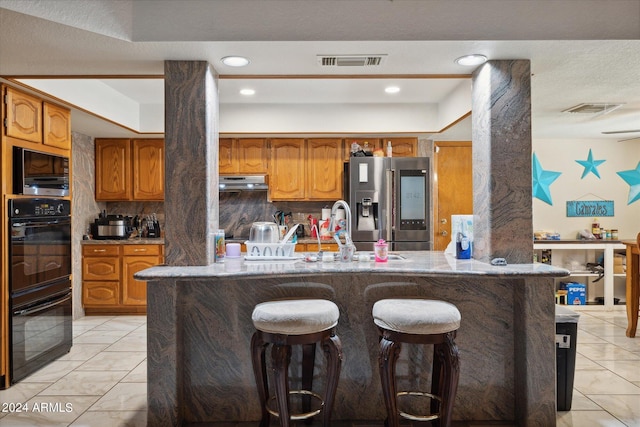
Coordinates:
column 471, row 60
column 392, row 89
column 247, row 92
column 235, row 61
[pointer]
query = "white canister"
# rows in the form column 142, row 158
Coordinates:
column 326, row 213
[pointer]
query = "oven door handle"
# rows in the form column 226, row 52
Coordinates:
column 39, row 308
column 40, row 224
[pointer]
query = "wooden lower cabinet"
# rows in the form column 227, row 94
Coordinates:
column 108, row 285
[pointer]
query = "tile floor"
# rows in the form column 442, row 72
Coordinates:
column 102, row 381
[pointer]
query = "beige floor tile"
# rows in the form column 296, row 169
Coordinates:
column 53, row 371
column 603, row 382
column 137, row 375
column 580, row 402
column 84, row 383
column 626, row 408
column 21, row 392
column 598, row 352
column 627, row 369
column 111, row 419
column 83, row 351
column 587, row 419
column 113, row 361
column 95, row 336
column 129, row 344
column 120, row 324
column 585, row 337
column 584, row 363
column 123, row 397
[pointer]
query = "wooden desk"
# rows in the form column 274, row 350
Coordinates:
column 633, row 285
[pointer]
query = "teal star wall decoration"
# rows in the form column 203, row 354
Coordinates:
column 542, row 179
column 590, row 165
column 632, row 177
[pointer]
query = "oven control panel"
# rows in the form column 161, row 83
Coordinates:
column 22, row 208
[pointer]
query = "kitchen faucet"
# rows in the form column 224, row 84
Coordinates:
column 347, row 211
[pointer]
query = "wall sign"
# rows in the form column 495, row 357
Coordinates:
column 592, row 208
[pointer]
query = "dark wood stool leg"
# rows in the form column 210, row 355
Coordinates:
column 308, row 361
column 280, row 358
column 333, row 353
column 389, row 353
column 258, row 361
column 449, row 357
column 436, row 384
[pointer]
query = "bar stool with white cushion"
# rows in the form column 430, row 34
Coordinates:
column 285, row 323
column 419, row 321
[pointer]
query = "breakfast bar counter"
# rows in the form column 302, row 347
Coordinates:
column 199, row 331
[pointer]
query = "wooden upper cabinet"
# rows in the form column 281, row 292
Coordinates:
column 242, row 156
column 306, row 170
column 24, row 116
column 287, row 169
column 324, row 169
column 57, row 126
column 113, row 169
column 252, row 156
column 402, row 147
column 227, row 162
column 148, row 169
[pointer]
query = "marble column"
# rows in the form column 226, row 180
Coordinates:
column 501, row 123
column 191, row 170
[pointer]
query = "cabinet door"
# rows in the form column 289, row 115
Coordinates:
column 372, row 143
column 148, row 169
column 252, row 155
column 57, row 126
column 324, row 169
column 113, row 169
column 401, row 147
column 100, row 294
column 134, row 292
column 227, row 162
column 286, row 170
column 24, row 116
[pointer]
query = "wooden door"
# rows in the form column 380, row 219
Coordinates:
column 286, row 169
column 148, row 169
column 57, row 126
column 401, row 147
column 24, row 116
column 324, row 169
column 113, row 169
column 454, row 192
column 252, row 156
column 227, row 161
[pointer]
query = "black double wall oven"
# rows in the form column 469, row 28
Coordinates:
column 39, row 283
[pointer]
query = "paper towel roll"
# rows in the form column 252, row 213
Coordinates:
column 326, row 213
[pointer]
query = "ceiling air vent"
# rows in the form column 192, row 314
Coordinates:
column 351, row 60
column 593, row 108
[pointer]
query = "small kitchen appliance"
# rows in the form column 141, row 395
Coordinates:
column 107, row 227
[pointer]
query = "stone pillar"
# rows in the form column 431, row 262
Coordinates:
column 501, row 133
column 191, row 156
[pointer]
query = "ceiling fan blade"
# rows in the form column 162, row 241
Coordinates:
column 637, row 138
column 613, row 132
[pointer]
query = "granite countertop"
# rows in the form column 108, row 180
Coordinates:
column 414, row 263
column 134, row 241
column 578, row 241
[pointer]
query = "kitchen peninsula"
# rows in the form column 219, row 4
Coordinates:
column 199, row 331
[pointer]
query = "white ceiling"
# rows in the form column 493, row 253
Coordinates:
column 581, row 51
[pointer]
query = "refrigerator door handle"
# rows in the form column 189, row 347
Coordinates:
column 389, row 202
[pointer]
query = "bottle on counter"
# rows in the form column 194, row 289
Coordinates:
column 389, row 149
column 595, row 228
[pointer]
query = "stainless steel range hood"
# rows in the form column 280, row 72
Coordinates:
column 242, row 183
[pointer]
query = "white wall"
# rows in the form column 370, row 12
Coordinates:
column 561, row 156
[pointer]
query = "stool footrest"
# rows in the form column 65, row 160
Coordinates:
column 303, row 416
column 413, row 417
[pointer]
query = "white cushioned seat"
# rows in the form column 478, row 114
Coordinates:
column 416, row 316
column 295, row 317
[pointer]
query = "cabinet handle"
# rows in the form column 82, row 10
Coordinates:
column 140, row 250
column 99, row 250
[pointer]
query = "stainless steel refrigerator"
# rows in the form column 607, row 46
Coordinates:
column 390, row 198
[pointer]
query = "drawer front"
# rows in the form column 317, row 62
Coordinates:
column 101, row 250
column 142, row 250
column 101, row 268
column 100, row 293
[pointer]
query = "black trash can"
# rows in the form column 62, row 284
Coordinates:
column 566, row 340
